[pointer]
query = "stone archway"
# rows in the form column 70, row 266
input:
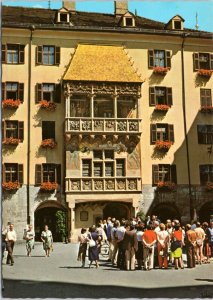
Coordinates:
column 205, row 211
column 45, row 215
column 165, row 212
column 116, row 210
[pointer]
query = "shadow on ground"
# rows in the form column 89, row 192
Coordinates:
column 37, row 289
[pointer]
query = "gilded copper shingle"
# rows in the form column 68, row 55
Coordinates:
column 101, row 63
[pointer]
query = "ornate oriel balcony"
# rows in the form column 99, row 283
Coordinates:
column 94, row 184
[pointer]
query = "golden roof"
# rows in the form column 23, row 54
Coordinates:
column 101, row 63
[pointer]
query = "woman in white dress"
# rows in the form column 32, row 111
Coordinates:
column 29, row 237
column 47, row 239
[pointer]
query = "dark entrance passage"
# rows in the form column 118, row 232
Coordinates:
column 205, row 212
column 165, row 212
column 116, row 210
column 46, row 216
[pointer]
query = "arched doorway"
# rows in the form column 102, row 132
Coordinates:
column 116, row 210
column 165, row 212
column 205, row 212
column 45, row 214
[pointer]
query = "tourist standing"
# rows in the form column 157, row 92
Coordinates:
column 211, row 237
column 149, row 239
column 29, row 237
column 162, row 247
column 207, row 241
column 3, row 242
column 47, row 239
column 94, row 245
column 121, row 252
column 114, row 242
column 139, row 253
column 82, row 239
column 176, row 246
column 200, row 237
column 130, row 245
column 10, row 239
column 190, row 246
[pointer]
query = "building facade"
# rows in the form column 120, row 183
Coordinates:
column 104, row 115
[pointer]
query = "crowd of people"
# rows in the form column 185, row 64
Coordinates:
column 147, row 245
column 132, row 243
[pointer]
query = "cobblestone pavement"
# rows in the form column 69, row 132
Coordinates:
column 60, row 276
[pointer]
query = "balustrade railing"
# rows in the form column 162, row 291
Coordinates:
column 106, row 184
column 102, row 125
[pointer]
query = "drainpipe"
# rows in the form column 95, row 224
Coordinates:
column 185, row 126
column 31, row 28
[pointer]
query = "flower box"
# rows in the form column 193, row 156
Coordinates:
column 206, row 109
column 163, row 145
column 50, row 106
column 48, row 186
column 11, row 104
column 11, row 141
column 48, row 143
column 162, row 107
column 209, row 186
column 166, row 185
column 204, row 73
column 10, row 186
column 160, row 70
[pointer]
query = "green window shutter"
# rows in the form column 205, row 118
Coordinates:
column 39, row 55
column 21, row 54
column 171, row 133
column 173, row 174
column 211, row 61
column 57, row 55
column 152, row 98
column 38, row 174
column 168, row 59
column 21, row 131
column 196, row 63
column 3, row 91
column 21, row 92
column 58, row 174
column 153, row 133
column 150, row 59
column 3, row 54
column 155, row 177
column 169, row 96
column 3, row 130
column 57, row 94
column 20, row 174
column 38, row 93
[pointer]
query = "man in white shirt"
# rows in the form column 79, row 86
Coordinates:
column 10, row 239
column 121, row 252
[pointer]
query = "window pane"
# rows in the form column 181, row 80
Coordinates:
column 98, row 169
column 48, row 55
column 48, row 87
column 12, row 129
column 159, row 58
column 80, row 108
column 12, row 53
column 109, row 169
column 204, row 61
column 49, row 173
column 97, row 154
column 104, row 108
column 86, row 168
column 109, row 154
column 120, row 167
column 11, row 172
column 11, row 86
